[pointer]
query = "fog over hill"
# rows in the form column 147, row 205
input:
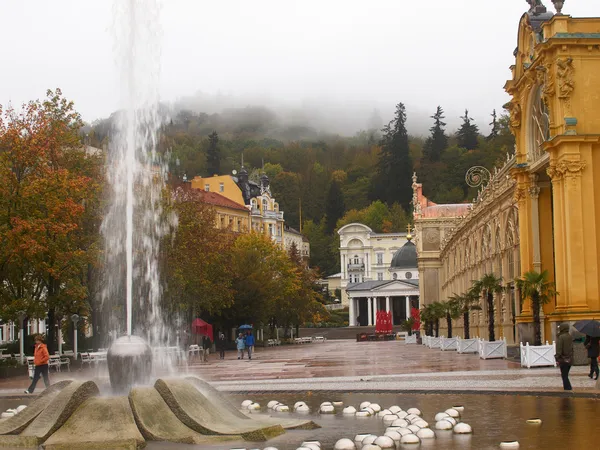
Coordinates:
column 317, row 116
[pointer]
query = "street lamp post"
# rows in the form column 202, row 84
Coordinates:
column 75, row 319
column 22, row 316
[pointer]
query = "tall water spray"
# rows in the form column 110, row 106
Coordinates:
column 135, row 223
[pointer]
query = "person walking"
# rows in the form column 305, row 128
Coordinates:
column 249, row 344
column 205, row 348
column 40, row 361
column 564, row 354
column 241, row 345
column 593, row 347
column 221, row 342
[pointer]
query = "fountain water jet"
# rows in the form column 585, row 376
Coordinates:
column 135, row 221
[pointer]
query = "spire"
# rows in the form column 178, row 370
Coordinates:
column 408, row 236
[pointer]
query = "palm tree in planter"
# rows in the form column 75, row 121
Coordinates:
column 451, row 311
column 468, row 302
column 490, row 285
column 536, row 287
column 438, row 311
column 427, row 319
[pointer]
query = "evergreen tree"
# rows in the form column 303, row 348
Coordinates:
column 468, row 133
column 495, row 126
column 334, row 208
column 213, row 155
column 438, row 141
column 393, row 183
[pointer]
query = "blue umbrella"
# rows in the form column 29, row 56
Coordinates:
column 245, row 327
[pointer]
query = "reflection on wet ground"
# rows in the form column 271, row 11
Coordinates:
column 567, row 423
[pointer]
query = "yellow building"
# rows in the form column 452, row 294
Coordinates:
column 229, row 215
column 555, row 117
column 224, row 185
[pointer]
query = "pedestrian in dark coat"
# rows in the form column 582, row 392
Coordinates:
column 593, row 347
column 221, row 344
column 564, row 354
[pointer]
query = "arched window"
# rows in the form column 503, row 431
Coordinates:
column 539, row 125
column 498, row 252
column 265, row 205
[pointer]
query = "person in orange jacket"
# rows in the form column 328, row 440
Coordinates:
column 40, row 361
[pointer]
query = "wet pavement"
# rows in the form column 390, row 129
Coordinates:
column 350, row 366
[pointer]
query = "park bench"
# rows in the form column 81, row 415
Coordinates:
column 319, row 339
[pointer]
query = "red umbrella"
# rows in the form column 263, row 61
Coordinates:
column 199, row 326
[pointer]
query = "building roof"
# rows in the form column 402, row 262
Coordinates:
column 335, row 275
column 371, row 285
column 405, row 257
column 212, row 198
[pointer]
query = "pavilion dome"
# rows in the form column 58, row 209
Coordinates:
column 405, row 257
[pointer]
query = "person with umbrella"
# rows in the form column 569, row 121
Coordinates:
column 240, row 343
column 591, row 329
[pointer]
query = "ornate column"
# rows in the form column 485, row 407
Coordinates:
column 370, row 310
column 534, row 193
column 407, row 307
column 351, row 313
column 387, row 304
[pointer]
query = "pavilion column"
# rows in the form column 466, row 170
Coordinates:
column 387, row 304
column 370, row 310
column 534, row 192
column 407, row 308
column 352, row 315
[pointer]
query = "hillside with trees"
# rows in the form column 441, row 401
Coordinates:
column 324, row 181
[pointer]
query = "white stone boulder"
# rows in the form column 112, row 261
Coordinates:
column 375, row 407
column 363, row 413
column 441, row 415
column 410, row 439
column 399, row 423
column 452, row 420
column 317, row 443
column 349, row 410
column 254, row 407
column 371, row 447
column 421, row 424
column 509, row 444
column 383, row 412
column 314, row 446
column 363, row 405
column 325, row 404
column 385, row 442
column 412, row 417
column 453, row 413
column 413, row 428
column 338, row 403
column 359, row 438
column 327, row 409
column 395, row 409
column 303, row 409
column 21, row 408
column 463, row 428
column 459, row 408
column 389, row 419
column 443, row 425
column 6, row 415
column 282, row 408
column 426, row 433
column 344, row 444
column 402, row 414
column 246, row 403
column 369, row 439
column 394, row 435
column 415, row 411
column 404, row 431
column 296, row 405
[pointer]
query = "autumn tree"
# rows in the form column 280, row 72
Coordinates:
column 303, row 304
column 262, row 274
column 49, row 188
column 196, row 259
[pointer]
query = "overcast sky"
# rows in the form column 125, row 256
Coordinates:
column 354, row 54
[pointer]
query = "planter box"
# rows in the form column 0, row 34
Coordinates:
column 434, row 342
column 425, row 340
column 410, row 339
column 538, row 355
column 467, row 345
column 492, row 349
column 448, row 343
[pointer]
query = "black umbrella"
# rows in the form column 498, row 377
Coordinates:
column 589, row 327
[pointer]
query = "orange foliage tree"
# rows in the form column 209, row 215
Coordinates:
column 49, row 191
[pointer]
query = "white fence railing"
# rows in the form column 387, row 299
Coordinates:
column 412, row 339
column 433, row 342
column 538, row 355
column 425, row 340
column 468, row 345
column 492, row 349
column 448, row 343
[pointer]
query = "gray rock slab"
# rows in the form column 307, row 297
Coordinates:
column 16, row 424
column 99, row 423
column 218, row 398
column 198, row 413
column 157, row 422
column 61, row 408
